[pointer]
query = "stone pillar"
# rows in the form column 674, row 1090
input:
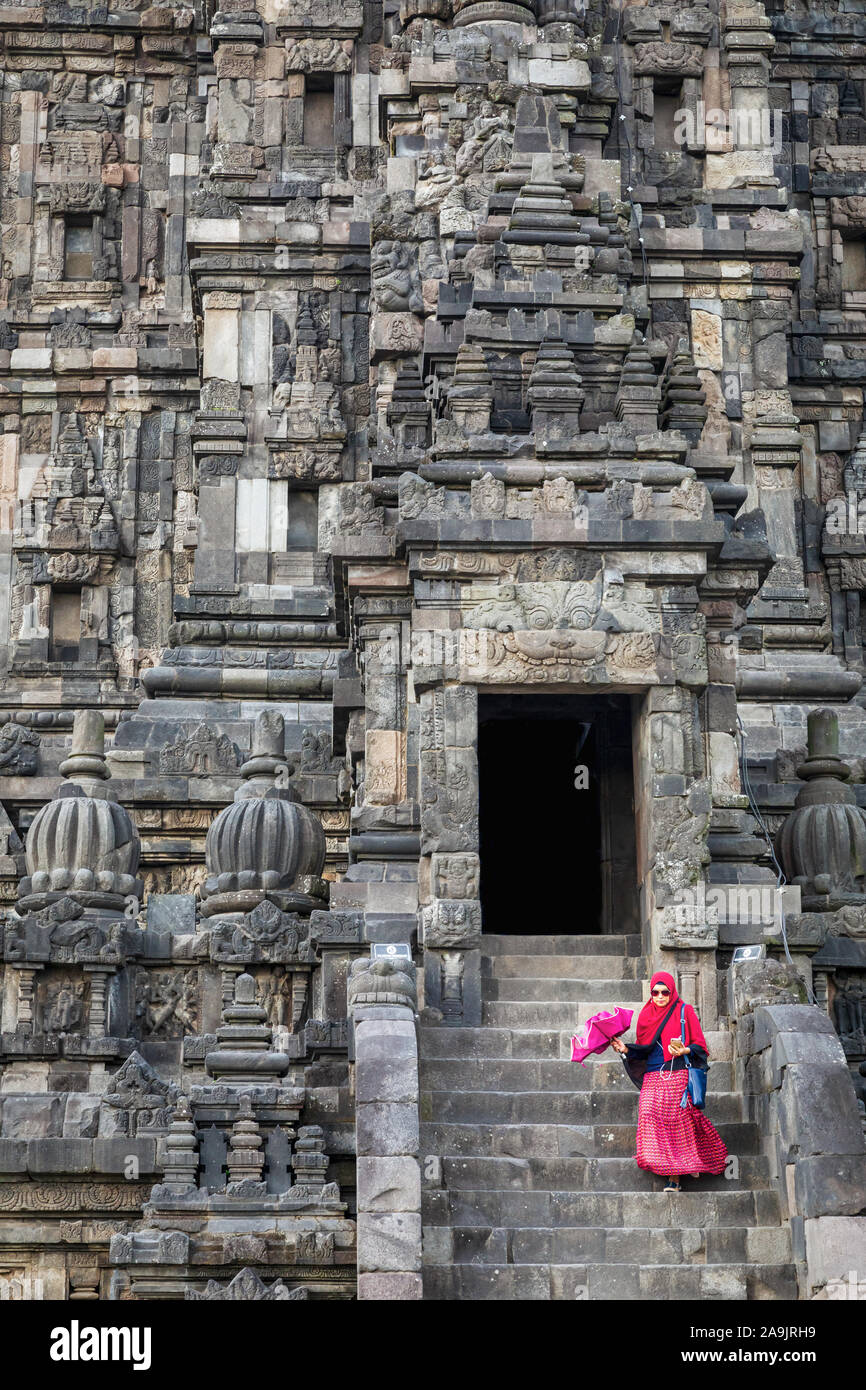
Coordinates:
column 385, row 737
column 97, row 1023
column 451, row 918
column 382, row 1004
column 26, row 988
column 673, row 814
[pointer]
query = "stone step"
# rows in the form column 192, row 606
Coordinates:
column 667, row 1283
column 500, row 945
column 504, row 1043
column 558, row 1140
column 542, row 1075
column 529, row 1014
column 568, row 967
column 552, row 1107
column 615, row 1245
column 516, row 1208
column 587, row 1174
column 526, row 988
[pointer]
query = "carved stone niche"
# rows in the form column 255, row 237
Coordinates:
column 452, row 986
column 199, row 751
column 452, row 923
column 847, row 999
column 848, row 212
column 19, row 751
column 62, row 1002
column 167, row 1002
column 282, row 993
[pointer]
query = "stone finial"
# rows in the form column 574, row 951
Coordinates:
column 266, row 842
column 683, row 397
column 849, row 100
column 637, row 400
column 470, row 395
column 86, row 760
column 543, row 213
column 408, row 412
column 180, row 1166
column 822, row 843
column 306, row 329
column 82, row 843
column 267, row 754
column 309, row 1160
column 554, row 394
column 245, row 1160
column 243, row 1050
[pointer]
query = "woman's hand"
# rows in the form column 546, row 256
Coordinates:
column 618, row 1045
column 676, row 1048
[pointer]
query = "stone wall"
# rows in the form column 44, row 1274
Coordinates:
column 798, row 1090
column 357, row 359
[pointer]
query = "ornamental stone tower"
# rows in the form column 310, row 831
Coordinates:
column 433, row 485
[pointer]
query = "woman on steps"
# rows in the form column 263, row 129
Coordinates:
column 671, row 1141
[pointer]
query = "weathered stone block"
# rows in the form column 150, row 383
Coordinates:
column 389, row 1184
column 835, row 1245
column 818, row 1111
column 391, row 1128
column 32, row 1117
column 788, row 1018
column 392, row 1288
column 386, row 1067
column 389, row 1241
column 833, row 1185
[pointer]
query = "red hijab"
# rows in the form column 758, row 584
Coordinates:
column 651, row 1016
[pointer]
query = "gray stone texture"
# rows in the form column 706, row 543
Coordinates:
column 353, row 371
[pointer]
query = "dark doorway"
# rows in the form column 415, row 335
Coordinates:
column 557, row 844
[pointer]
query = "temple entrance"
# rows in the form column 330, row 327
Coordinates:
column 557, row 824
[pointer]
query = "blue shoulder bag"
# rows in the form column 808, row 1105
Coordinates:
column 696, row 1090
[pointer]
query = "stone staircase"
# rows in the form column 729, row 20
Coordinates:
column 539, row 1194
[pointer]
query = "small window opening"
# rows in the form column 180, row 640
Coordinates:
column 65, row 625
column 667, row 118
column 854, row 264
column 319, row 111
column 78, row 249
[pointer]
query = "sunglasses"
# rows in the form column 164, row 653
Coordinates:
column 660, row 991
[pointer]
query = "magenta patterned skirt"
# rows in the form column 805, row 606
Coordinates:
column 671, row 1141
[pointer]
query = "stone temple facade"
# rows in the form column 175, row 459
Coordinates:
column 433, row 494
